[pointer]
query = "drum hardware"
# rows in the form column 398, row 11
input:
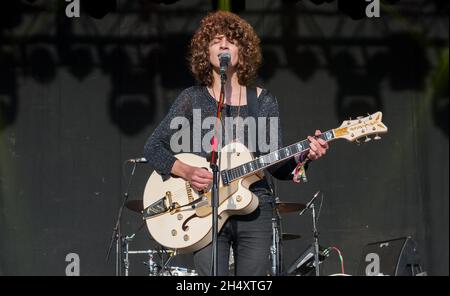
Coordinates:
column 179, row 271
column 157, row 263
column 278, row 236
column 275, row 248
column 276, row 251
column 116, row 236
column 125, row 241
column 155, row 269
column 310, row 205
column 289, row 207
column 304, row 265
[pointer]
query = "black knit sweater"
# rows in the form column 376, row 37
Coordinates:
column 160, row 155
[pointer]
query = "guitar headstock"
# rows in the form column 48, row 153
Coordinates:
column 361, row 127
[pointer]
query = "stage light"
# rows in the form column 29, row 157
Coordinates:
column 356, row 9
column 98, row 8
column 80, row 62
column 132, row 103
column 304, row 64
column 42, row 66
column 172, row 75
column 358, row 92
column 116, row 63
column 408, row 62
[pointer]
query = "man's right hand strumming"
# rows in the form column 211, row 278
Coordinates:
column 199, row 178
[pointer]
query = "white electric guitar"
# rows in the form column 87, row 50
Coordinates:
column 179, row 217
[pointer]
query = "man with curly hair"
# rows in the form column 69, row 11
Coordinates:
column 249, row 235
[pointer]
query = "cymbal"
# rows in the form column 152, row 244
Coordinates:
column 289, row 207
column 135, row 205
column 290, row 236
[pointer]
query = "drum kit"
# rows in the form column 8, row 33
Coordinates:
column 158, row 260
column 158, row 263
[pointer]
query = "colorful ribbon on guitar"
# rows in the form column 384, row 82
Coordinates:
column 300, row 171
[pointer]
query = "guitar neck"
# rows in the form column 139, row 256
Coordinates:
column 270, row 159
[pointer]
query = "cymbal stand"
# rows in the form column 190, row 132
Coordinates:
column 310, row 205
column 126, row 261
column 126, row 251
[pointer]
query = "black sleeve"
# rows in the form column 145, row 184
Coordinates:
column 157, row 148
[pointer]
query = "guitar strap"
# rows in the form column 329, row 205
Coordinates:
column 253, row 108
column 252, row 102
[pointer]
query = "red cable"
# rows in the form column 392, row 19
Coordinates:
column 340, row 257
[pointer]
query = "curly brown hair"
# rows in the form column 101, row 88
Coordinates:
column 234, row 28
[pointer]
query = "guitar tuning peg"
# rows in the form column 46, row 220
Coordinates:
column 377, row 137
column 357, row 142
column 367, row 139
column 370, row 116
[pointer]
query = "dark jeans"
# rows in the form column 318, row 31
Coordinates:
column 250, row 236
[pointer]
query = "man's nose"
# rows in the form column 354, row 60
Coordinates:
column 224, row 43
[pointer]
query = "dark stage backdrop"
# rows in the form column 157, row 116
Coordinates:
column 79, row 96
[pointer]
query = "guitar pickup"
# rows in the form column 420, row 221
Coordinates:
column 225, row 178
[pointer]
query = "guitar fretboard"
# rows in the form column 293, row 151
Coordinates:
column 269, row 159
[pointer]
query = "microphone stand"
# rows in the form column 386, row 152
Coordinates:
column 310, row 204
column 215, row 155
column 116, row 234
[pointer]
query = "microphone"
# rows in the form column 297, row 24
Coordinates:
column 138, row 160
column 224, row 59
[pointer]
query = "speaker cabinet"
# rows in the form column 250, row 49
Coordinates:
column 397, row 257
